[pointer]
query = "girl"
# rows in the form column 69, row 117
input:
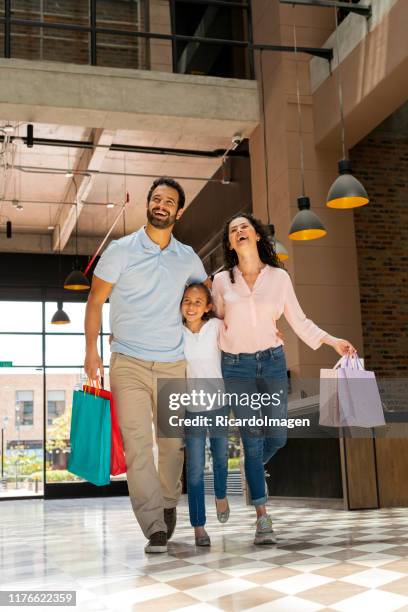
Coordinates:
column 250, row 295
column 203, row 358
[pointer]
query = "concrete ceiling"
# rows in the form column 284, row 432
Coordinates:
column 47, row 197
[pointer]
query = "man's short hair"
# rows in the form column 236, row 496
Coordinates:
column 166, row 180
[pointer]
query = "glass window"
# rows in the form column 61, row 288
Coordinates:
column 61, row 383
column 20, row 316
column 22, row 433
column 65, row 350
column 124, row 15
column 105, row 317
column 76, row 313
column 56, row 11
column 106, row 350
column 121, row 51
column 24, row 408
column 55, row 45
column 21, row 350
column 55, row 405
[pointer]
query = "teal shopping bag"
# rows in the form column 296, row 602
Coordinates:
column 90, row 438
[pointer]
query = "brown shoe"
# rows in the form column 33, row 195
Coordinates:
column 157, row 543
column 170, row 518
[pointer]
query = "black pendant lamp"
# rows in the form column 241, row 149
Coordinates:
column 346, row 191
column 60, row 317
column 280, row 249
column 76, row 280
column 306, row 225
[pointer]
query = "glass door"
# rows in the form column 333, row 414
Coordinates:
column 64, row 356
column 21, row 400
column 41, row 365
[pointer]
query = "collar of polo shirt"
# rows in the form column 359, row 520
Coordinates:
column 149, row 245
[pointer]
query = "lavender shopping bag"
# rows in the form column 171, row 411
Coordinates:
column 349, row 396
column 359, row 398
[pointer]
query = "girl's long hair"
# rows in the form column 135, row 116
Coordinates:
column 266, row 247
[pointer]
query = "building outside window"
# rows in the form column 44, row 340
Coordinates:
column 55, row 405
column 24, row 408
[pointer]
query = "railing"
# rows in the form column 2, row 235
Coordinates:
column 211, row 37
column 343, row 12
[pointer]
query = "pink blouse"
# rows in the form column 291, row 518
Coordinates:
column 250, row 316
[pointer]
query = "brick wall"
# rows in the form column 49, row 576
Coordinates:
column 380, row 161
column 63, row 45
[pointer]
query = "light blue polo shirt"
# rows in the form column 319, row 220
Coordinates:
column 149, row 282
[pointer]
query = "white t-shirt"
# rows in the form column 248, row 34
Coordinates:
column 203, row 357
column 202, row 352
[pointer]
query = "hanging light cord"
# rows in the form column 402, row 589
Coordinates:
column 299, row 109
column 340, row 87
column 59, row 255
column 76, row 219
column 126, row 194
column 264, row 136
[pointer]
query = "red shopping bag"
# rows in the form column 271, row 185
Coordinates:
column 118, row 462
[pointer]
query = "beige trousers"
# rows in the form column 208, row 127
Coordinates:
column 133, row 385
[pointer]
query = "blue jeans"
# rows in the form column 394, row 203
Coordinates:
column 258, row 373
column 195, row 439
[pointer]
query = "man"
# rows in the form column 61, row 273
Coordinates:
column 145, row 274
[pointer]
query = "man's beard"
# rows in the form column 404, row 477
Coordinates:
column 162, row 223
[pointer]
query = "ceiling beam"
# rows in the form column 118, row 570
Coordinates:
column 126, row 148
column 80, row 186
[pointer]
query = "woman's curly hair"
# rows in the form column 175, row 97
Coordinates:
column 266, row 247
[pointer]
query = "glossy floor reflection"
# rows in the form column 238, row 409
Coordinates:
column 324, row 559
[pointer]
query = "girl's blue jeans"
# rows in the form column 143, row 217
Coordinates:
column 253, row 374
column 195, row 440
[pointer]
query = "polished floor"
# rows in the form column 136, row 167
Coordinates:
column 324, row 560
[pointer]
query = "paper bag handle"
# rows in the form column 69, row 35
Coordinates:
column 353, row 362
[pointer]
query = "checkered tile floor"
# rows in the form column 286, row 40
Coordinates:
column 324, row 560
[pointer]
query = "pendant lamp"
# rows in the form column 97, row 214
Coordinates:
column 306, row 225
column 76, row 280
column 280, row 249
column 346, row 191
column 60, row 317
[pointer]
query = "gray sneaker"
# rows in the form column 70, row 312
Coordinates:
column 157, row 543
column 264, row 532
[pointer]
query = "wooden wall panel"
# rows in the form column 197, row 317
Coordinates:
column 359, row 473
column 392, row 467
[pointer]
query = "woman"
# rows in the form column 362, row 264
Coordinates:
column 250, row 295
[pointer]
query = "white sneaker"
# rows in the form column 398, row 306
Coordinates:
column 264, row 533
